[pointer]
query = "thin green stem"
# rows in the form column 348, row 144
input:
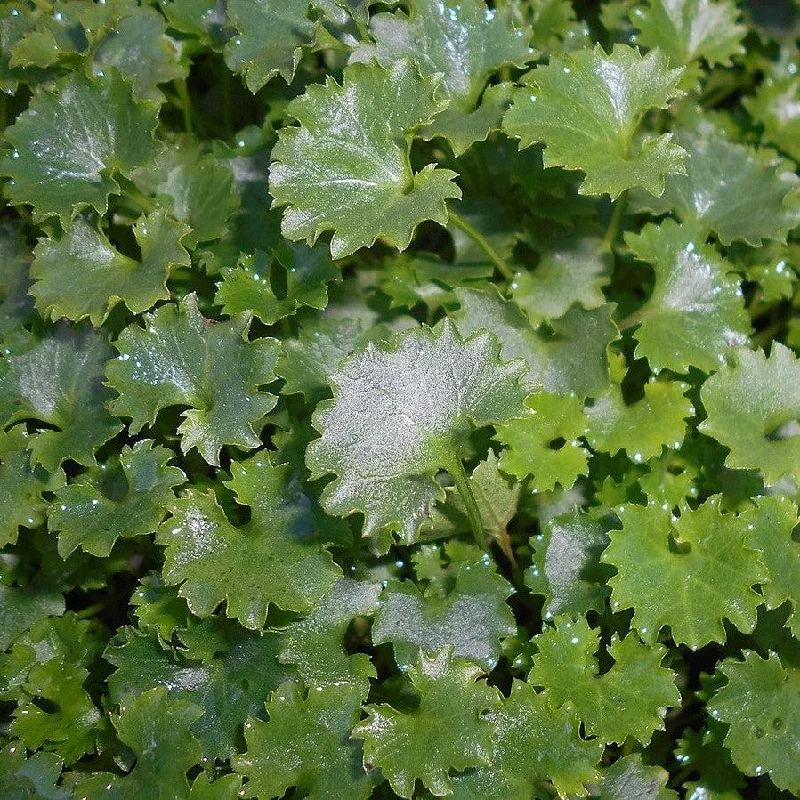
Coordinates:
column 616, row 220
column 133, row 195
column 86, row 613
column 185, row 103
column 464, row 489
column 483, row 243
column 635, row 318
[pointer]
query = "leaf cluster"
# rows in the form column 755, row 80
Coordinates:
column 399, row 399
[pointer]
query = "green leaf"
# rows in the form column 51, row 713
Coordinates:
column 570, row 270
column 497, row 497
column 122, row 498
column 342, row 171
column 572, row 358
column 753, row 409
column 695, row 313
column 432, row 387
column 629, row 699
column 464, row 42
column 70, row 728
column 643, row 428
column 273, row 558
column 738, row 192
column 83, row 275
column 776, row 106
column 566, row 565
column 34, row 776
column 196, row 186
column 471, row 618
column 761, row 704
column 545, row 444
column 533, row 742
column 704, row 552
column 138, row 47
column 21, row 608
column 58, row 382
column 771, row 525
column 315, row 644
column 249, row 287
column 306, row 744
column 462, row 129
column 420, row 744
column 66, row 639
column 228, row 688
column 413, row 278
column 158, row 607
column 72, row 139
column 181, row 358
column 703, row 753
column 21, row 486
column 307, row 362
column 630, row 779
column 587, row 108
column 224, row 787
column 690, row 30
column 156, row 727
column 270, row 38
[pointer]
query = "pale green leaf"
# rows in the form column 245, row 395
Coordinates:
column 753, row 409
column 83, row 275
column 420, row 744
column 587, row 108
column 629, row 699
column 400, row 414
column 701, row 561
column 347, row 168
column 181, row 358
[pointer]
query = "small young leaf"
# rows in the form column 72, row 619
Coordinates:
column 533, row 742
column 761, row 704
column 529, row 442
column 566, row 565
column 21, row 486
column 274, row 558
column 126, row 497
column 447, row 731
column 709, row 560
column 269, row 40
column 696, row 311
column 627, row 700
column 643, row 428
column 181, row 358
column 83, row 275
column 315, row 644
column 753, row 410
column 58, row 381
column 463, row 42
column 471, row 618
column 690, row 30
column 306, row 744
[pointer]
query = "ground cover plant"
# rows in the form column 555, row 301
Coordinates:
column 399, row 399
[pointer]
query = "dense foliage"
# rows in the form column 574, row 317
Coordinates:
column 399, row 399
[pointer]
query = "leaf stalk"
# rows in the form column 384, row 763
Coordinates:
column 482, row 242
